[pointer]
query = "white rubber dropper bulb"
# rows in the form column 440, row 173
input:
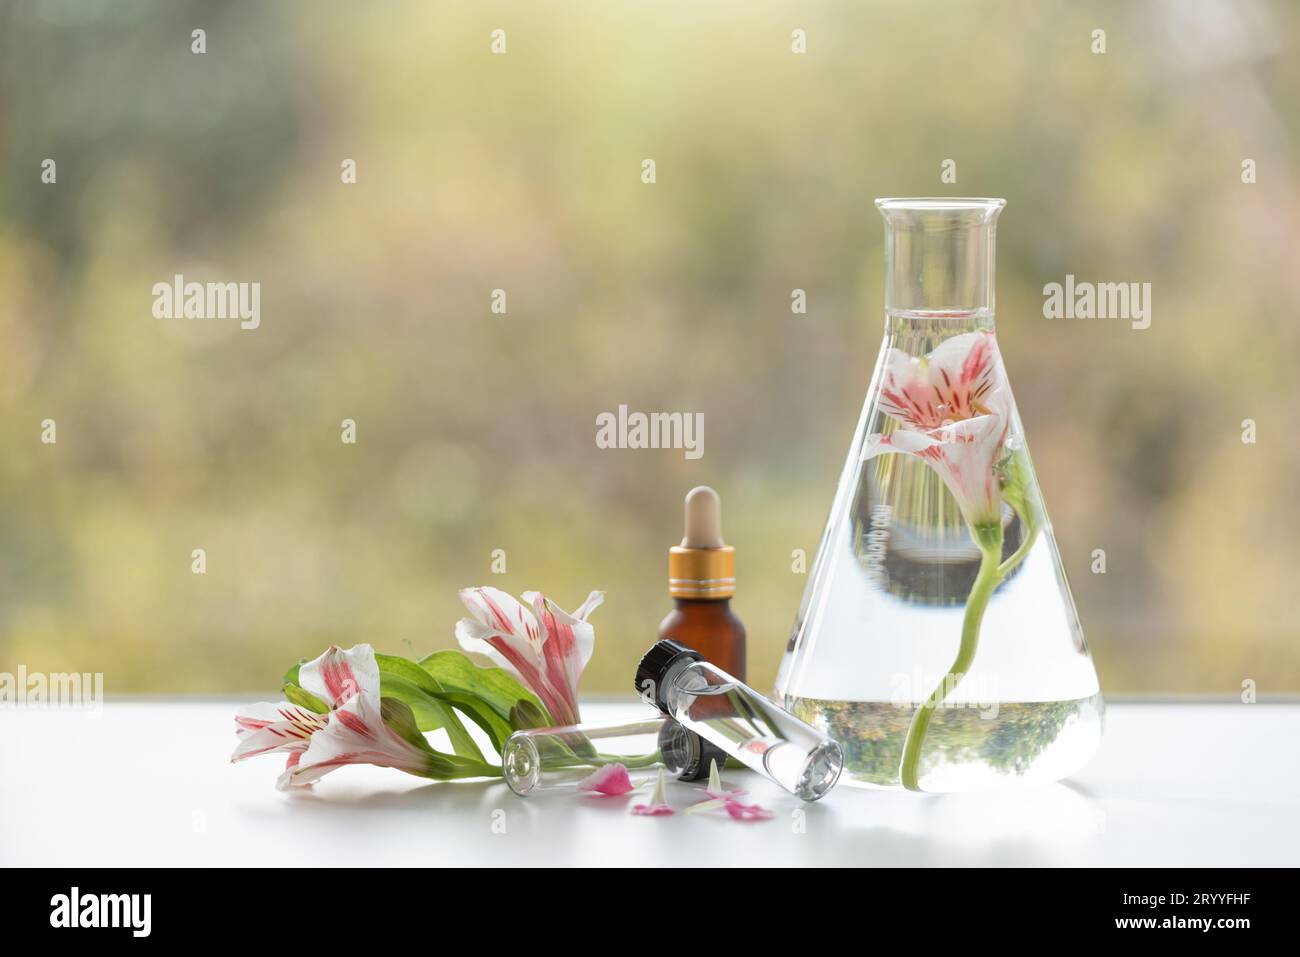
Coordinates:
column 703, row 519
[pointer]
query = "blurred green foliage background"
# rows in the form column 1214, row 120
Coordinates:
column 522, row 172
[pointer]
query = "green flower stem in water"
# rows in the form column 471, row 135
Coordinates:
column 989, row 539
column 1017, row 491
column 1029, row 535
column 631, row 762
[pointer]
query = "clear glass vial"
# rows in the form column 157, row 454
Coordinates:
column 747, row 726
column 937, row 640
column 542, row 759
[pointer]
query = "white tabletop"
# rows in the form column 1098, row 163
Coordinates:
column 150, row 784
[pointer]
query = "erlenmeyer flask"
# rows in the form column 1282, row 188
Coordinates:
column 937, row 641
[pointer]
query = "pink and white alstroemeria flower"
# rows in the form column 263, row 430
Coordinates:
column 334, row 677
column 351, row 732
column 953, row 409
column 356, row 734
column 542, row 645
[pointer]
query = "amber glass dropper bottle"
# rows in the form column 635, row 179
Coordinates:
column 701, row 580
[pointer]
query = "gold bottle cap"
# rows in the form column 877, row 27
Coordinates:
column 702, row 566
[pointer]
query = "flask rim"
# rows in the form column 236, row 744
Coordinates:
column 939, row 203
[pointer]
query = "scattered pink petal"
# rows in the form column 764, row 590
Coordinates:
column 611, row 779
column 740, row 811
column 658, row 805
column 728, row 800
column 725, row 795
column 716, row 791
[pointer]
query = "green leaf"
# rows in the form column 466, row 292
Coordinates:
column 399, row 717
column 495, row 687
column 407, row 682
column 477, row 710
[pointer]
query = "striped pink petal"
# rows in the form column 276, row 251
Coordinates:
column 569, row 643
column 963, row 454
column 542, row 645
column 337, row 675
column 953, row 382
column 265, row 728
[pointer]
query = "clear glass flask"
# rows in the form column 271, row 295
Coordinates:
column 937, row 640
column 726, row 712
column 542, row 759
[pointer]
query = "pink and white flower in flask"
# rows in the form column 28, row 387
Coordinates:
column 953, row 410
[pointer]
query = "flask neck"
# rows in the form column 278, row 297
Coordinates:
column 939, row 258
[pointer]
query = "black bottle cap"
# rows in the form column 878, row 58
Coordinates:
column 707, row 753
column 688, row 754
column 655, row 665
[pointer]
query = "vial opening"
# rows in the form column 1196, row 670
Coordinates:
column 821, row 772
column 521, row 764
